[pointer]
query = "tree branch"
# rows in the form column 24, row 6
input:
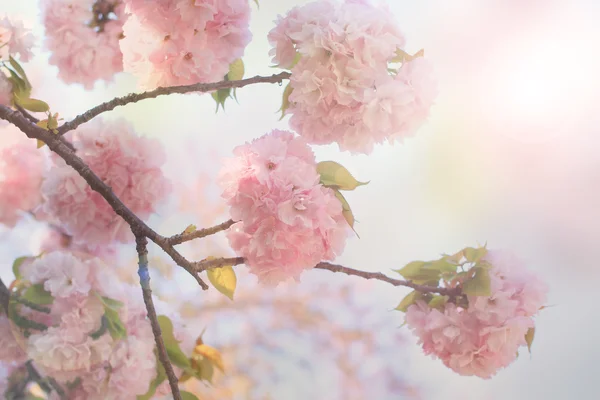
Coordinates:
column 57, row 145
column 4, row 296
column 141, row 247
column 186, row 237
column 26, row 114
column 161, row 91
column 221, row 262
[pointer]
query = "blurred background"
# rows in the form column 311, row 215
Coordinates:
column 509, row 156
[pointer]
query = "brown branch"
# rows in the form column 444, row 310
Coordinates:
column 221, row 262
column 141, row 247
column 4, row 296
column 186, row 237
column 56, row 144
column 161, row 91
column 26, row 114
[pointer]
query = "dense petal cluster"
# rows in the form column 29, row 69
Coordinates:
column 342, row 88
column 484, row 337
column 129, row 164
column 83, row 37
column 75, row 344
column 21, row 170
column 288, row 221
column 15, row 40
column 177, row 42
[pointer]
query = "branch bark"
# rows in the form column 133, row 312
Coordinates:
column 141, row 247
column 162, row 91
column 186, row 237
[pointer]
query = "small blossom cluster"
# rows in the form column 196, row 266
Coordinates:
column 288, row 221
column 76, row 343
column 129, row 164
column 342, row 88
column 15, row 41
column 21, row 171
column 485, row 336
column 178, row 42
column 83, row 38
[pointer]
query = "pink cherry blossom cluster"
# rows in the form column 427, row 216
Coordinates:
column 15, row 41
column 288, row 221
column 74, row 345
column 129, row 164
column 486, row 336
column 21, row 171
column 342, row 89
column 177, row 42
column 83, row 37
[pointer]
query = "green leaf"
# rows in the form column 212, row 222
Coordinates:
column 187, row 396
column 257, row 5
column 171, row 344
column 102, row 330
column 409, row 300
column 442, row 266
column 438, row 301
column 17, row 264
column 336, row 176
column 34, row 105
column 223, row 279
column 19, row 85
column 402, row 56
column 220, row 96
column 205, row 369
column 346, row 211
column 17, row 67
column 190, row 228
column 161, row 376
column 415, row 272
column 36, row 294
column 479, row 284
column 474, row 255
column 110, row 303
column 115, row 326
column 236, row 70
column 285, row 103
column 529, row 338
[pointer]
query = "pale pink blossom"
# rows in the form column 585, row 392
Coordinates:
column 343, row 92
column 288, row 221
column 10, row 350
column 61, row 273
column 129, row 164
column 21, row 169
column 179, row 42
column 17, row 39
column 84, row 54
column 486, row 336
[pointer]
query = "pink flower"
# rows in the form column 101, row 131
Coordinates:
column 179, row 42
column 21, row 168
column 82, row 52
column 484, row 337
column 17, row 38
column 10, row 350
column 288, row 221
column 129, row 164
column 61, row 273
column 343, row 91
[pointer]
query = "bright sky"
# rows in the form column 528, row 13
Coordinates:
column 509, row 156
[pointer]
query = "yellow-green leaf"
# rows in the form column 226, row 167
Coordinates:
column 187, row 396
column 442, row 266
column 17, row 265
column 285, row 103
column 479, row 284
column 415, row 272
column 34, row 105
column 336, row 176
column 191, row 228
column 212, row 354
column 17, row 67
column 346, row 211
column 161, row 375
column 529, row 338
column 474, row 255
column 409, row 300
column 223, row 279
column 438, row 301
column 40, row 144
column 43, row 124
column 236, row 70
column 171, row 344
column 257, row 5
column 38, row 295
column 402, row 56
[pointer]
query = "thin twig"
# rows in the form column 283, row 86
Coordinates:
column 141, row 247
column 26, row 114
column 186, row 237
column 161, row 91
